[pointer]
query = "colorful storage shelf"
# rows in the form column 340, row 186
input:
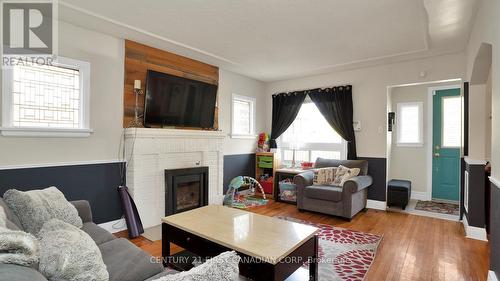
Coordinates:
column 266, row 163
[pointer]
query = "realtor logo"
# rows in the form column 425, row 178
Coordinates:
column 28, row 28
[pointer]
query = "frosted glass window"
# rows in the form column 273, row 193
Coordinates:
column 409, row 123
column 243, row 116
column 452, row 122
column 45, row 96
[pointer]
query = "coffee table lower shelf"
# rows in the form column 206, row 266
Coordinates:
column 250, row 268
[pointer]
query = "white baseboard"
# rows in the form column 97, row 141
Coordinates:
column 419, row 195
column 375, row 204
column 474, row 232
column 492, row 276
column 114, row 226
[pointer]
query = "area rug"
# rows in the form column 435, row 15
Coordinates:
column 438, row 207
column 343, row 254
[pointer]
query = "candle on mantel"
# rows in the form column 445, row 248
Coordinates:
column 137, row 84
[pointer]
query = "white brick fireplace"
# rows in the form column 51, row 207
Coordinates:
column 151, row 151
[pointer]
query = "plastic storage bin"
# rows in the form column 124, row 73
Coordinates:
column 265, row 162
column 288, row 191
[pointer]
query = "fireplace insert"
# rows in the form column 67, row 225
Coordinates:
column 185, row 189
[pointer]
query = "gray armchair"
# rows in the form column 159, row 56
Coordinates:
column 345, row 201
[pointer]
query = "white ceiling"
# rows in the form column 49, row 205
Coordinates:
column 279, row 39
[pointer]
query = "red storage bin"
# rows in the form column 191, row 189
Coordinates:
column 267, row 186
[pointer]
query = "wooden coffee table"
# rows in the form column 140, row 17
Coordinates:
column 270, row 248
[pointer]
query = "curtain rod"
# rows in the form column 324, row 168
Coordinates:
column 302, row 90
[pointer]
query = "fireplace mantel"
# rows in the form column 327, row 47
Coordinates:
column 173, row 133
column 151, row 151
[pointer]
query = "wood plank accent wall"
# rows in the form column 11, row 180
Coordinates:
column 139, row 58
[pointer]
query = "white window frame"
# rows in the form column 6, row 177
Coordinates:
column 420, row 142
column 342, row 146
column 8, row 129
column 252, row 101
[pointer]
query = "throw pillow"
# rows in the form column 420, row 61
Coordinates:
column 16, row 247
column 67, row 253
column 223, row 267
column 324, row 176
column 35, row 207
column 343, row 174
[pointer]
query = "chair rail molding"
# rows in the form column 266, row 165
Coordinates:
column 495, row 181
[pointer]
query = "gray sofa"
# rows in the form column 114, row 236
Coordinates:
column 124, row 261
column 344, row 201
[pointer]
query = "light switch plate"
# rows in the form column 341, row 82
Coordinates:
column 356, row 125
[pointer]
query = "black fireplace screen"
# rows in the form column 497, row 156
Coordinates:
column 185, row 189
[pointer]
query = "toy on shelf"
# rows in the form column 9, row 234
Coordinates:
column 241, row 193
column 263, row 143
column 306, row 165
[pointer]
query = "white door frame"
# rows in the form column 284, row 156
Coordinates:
column 430, row 132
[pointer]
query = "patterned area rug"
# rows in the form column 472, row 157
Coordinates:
column 438, row 207
column 343, row 254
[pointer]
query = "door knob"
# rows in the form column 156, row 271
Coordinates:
column 436, row 155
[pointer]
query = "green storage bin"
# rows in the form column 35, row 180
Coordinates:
column 265, row 162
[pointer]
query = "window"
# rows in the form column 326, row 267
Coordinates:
column 410, row 124
column 311, row 137
column 243, row 117
column 43, row 100
column 452, row 125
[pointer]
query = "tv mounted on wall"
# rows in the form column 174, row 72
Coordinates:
column 178, row 102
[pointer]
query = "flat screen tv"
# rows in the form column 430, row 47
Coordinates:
column 178, row 102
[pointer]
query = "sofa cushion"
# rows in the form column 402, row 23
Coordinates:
column 14, row 272
column 126, row 262
column 361, row 164
column 343, row 174
column 11, row 216
column 324, row 192
column 97, row 233
column 223, row 267
column 35, row 207
column 68, row 253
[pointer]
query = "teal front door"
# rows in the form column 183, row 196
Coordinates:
column 447, row 140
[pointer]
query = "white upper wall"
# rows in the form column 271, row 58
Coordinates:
column 370, row 92
column 231, row 83
column 485, row 30
column 106, row 56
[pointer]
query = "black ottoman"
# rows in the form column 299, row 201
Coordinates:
column 398, row 193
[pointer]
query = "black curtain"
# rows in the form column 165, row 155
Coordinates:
column 336, row 106
column 286, row 106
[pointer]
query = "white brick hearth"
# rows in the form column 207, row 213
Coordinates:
column 151, row 151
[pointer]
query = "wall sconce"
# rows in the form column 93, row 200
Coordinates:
column 391, row 118
column 137, row 91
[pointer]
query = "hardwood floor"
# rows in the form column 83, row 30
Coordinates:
column 413, row 247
